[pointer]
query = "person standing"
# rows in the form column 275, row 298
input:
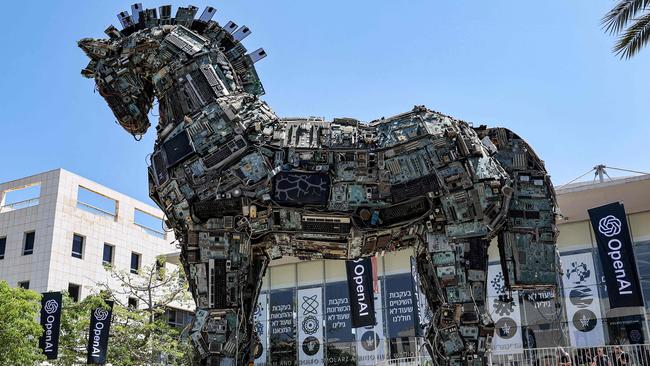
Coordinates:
column 621, row 358
column 601, row 359
column 563, row 357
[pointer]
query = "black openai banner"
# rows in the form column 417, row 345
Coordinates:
column 362, row 306
column 100, row 325
column 51, row 304
column 616, row 255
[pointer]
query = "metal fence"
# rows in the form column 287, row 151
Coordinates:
column 632, row 355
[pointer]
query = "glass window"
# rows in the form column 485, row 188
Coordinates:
column 172, row 317
column 107, row 257
column 74, row 291
column 28, row 246
column 642, row 256
column 133, row 303
column 135, row 262
column 178, row 318
column 3, row 246
column 24, row 284
column 77, row 246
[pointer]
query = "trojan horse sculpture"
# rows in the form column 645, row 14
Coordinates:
column 241, row 186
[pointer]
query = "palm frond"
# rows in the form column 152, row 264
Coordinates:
column 634, row 38
column 617, row 18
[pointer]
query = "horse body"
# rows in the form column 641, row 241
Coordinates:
column 241, row 186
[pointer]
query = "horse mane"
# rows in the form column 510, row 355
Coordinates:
column 228, row 37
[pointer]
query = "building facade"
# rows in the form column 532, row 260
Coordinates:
column 58, row 230
column 303, row 313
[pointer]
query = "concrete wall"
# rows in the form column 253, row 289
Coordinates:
column 57, row 218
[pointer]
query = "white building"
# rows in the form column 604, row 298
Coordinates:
column 57, row 229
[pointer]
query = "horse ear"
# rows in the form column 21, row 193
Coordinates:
column 96, row 49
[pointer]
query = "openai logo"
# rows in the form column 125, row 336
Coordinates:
column 609, row 226
column 636, row 336
column 101, row 314
column 51, row 306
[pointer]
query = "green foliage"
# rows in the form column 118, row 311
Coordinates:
column 136, row 341
column 137, row 336
column 142, row 336
column 133, row 341
column 19, row 326
column 630, row 21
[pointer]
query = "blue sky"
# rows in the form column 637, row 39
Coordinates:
column 542, row 69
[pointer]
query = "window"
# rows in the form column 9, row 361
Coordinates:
column 107, row 257
column 133, row 303
column 22, row 197
column 77, row 246
column 96, row 203
column 24, row 284
column 3, row 246
column 28, row 243
column 135, row 262
column 74, row 291
column 151, row 224
column 178, row 318
column 642, row 254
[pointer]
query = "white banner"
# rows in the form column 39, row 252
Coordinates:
column 371, row 341
column 424, row 313
column 260, row 319
column 506, row 314
column 582, row 301
column 310, row 326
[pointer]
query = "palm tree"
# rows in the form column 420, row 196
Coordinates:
column 630, row 20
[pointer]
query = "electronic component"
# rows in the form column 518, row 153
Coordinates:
column 301, row 188
column 207, row 14
column 217, row 208
column 177, row 149
column 226, row 153
column 240, row 186
column 325, row 224
column 159, row 166
column 416, row 187
column 451, row 341
column 404, row 211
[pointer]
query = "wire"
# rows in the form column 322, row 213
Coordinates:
column 566, row 184
column 626, row 170
column 603, row 167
